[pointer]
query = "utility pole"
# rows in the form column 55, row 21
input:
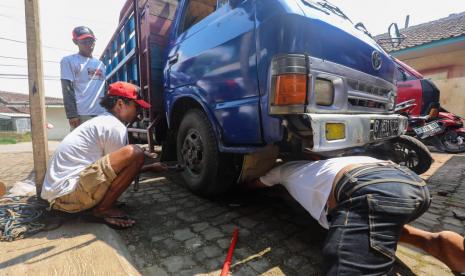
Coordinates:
column 36, row 92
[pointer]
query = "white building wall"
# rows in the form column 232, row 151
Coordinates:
column 57, row 117
column 23, row 125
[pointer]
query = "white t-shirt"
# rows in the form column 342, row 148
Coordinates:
column 83, row 146
column 311, row 182
column 88, row 77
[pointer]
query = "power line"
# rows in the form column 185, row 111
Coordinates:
column 10, row 7
column 12, row 40
column 19, row 78
column 13, row 65
column 24, row 75
column 19, row 58
column 73, row 17
column 24, row 42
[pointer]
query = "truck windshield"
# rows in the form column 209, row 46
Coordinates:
column 326, row 7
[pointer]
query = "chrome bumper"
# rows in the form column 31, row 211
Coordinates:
column 358, row 129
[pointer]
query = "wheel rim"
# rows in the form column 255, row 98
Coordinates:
column 192, row 152
column 453, row 141
column 406, row 156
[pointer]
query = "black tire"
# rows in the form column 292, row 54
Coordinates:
column 208, row 172
column 450, row 142
column 410, row 152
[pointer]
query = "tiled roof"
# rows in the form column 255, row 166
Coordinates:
column 19, row 103
column 19, row 108
column 444, row 28
column 6, row 109
column 10, row 98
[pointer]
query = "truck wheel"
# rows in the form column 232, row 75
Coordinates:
column 412, row 153
column 197, row 149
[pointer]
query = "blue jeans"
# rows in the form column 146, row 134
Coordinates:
column 366, row 224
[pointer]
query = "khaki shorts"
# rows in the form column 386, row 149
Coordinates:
column 94, row 182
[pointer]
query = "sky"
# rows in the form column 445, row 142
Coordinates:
column 59, row 17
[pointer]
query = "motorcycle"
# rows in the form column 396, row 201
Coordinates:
column 403, row 150
column 443, row 130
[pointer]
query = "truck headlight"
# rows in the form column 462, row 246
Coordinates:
column 291, row 89
column 324, row 92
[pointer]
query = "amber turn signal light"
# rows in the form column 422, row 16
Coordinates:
column 291, row 89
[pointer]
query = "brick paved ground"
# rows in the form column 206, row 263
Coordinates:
column 178, row 233
column 447, row 186
column 15, row 167
column 181, row 234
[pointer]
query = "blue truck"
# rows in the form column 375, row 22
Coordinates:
column 228, row 79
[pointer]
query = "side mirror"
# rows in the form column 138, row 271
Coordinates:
column 395, row 36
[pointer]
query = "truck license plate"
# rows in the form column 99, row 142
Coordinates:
column 428, row 130
column 383, row 128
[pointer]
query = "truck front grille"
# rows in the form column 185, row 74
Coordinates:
column 368, row 96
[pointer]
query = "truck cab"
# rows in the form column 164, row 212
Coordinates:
column 241, row 75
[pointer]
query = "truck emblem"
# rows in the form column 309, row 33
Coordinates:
column 376, row 60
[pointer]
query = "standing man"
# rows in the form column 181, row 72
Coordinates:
column 93, row 165
column 82, row 80
column 368, row 201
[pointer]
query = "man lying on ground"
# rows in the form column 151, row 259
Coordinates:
column 93, row 165
column 368, row 203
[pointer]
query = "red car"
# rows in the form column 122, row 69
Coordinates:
column 412, row 85
column 442, row 129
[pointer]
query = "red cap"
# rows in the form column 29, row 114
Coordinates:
column 126, row 90
column 84, row 36
column 82, row 32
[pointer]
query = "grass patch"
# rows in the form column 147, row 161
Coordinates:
column 7, row 141
column 7, row 138
column 26, row 137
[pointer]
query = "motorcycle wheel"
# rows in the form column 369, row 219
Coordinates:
column 412, row 153
column 452, row 141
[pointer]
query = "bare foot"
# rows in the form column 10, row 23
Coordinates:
column 114, row 218
column 112, row 212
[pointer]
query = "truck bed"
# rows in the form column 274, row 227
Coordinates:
column 136, row 50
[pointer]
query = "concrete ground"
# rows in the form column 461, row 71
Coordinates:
column 72, row 249
column 178, row 233
column 16, row 161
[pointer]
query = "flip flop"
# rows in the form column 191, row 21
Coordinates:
column 121, row 204
column 109, row 224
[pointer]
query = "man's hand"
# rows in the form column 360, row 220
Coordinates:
column 151, row 155
column 155, row 167
column 74, row 122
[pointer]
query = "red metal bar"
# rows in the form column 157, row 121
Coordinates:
column 232, row 246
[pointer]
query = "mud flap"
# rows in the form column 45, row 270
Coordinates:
column 258, row 163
